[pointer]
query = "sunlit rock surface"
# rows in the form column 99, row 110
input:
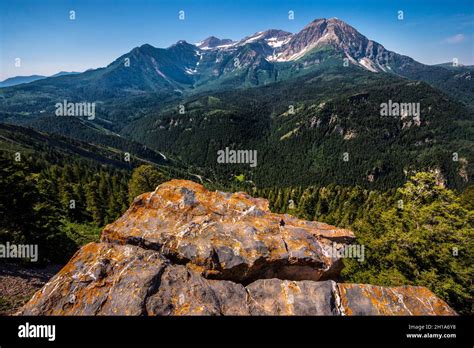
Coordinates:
column 365, row 299
column 184, row 250
column 228, row 236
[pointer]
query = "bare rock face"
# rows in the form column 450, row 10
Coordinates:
column 183, row 250
column 228, row 236
column 365, row 299
column 185, row 292
column 101, row 279
column 283, row 297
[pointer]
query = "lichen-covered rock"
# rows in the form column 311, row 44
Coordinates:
column 228, row 236
column 183, row 250
column 101, row 279
column 283, row 297
column 108, row 279
column 364, row 299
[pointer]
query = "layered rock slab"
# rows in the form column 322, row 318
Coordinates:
column 111, row 279
column 228, row 236
column 283, row 297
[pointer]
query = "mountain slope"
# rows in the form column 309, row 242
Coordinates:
column 336, row 111
column 28, row 141
column 109, row 152
column 18, row 80
column 360, row 51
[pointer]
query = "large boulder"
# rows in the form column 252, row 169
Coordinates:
column 228, row 236
column 183, row 250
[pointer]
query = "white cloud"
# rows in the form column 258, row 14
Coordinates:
column 458, row 38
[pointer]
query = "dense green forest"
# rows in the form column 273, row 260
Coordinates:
column 301, row 127
column 419, row 234
column 301, row 135
column 64, row 205
column 58, row 206
column 59, row 192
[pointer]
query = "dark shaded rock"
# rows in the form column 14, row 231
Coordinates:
column 283, row 297
column 185, row 292
column 232, row 297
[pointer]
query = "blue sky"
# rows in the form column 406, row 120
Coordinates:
column 47, row 41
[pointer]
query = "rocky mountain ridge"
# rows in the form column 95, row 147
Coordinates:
column 266, row 57
column 287, row 47
column 183, row 250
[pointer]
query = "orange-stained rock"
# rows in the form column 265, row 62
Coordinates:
column 183, row 250
column 364, row 299
column 228, row 236
column 101, row 279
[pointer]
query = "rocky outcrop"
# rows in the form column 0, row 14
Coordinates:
column 183, row 250
column 228, row 236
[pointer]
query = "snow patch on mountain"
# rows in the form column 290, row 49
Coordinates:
column 276, row 43
column 368, row 64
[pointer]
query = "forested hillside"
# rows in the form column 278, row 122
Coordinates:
column 62, row 203
column 59, row 193
column 318, row 129
column 419, row 234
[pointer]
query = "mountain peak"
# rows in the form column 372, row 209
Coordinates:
column 183, row 44
column 332, row 25
column 143, row 49
column 146, row 46
column 343, row 38
column 328, row 20
column 213, row 42
column 211, row 39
